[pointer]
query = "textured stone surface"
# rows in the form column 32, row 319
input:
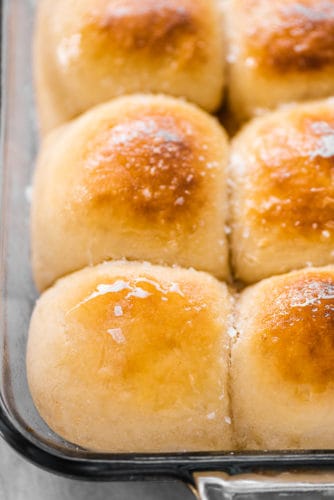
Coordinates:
column 21, row 481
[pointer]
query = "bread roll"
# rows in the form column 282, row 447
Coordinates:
column 282, row 192
column 89, row 51
column 280, row 51
column 131, row 357
column 283, row 363
column 142, row 177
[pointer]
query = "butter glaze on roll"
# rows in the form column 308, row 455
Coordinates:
column 282, row 192
column 142, row 177
column 90, row 51
column 132, row 357
column 280, row 51
column 283, row 363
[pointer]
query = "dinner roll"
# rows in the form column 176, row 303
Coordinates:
column 142, row 177
column 283, row 363
column 131, row 357
column 282, row 192
column 280, row 51
column 89, row 51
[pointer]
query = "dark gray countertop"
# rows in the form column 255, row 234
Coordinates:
column 20, row 480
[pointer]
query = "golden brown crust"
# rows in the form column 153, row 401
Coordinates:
column 290, row 169
column 157, row 26
column 295, row 330
column 108, row 313
column 149, row 165
column 289, row 36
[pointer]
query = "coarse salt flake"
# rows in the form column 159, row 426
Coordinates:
column 118, row 311
column 211, row 415
column 117, row 335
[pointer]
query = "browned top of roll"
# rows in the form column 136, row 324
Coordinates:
column 110, row 323
column 287, row 36
column 295, row 328
column 158, row 28
column 150, row 159
column 146, row 25
column 288, row 170
column 149, row 164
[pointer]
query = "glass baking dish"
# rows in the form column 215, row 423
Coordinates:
column 236, row 475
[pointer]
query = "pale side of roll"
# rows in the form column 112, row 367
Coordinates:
column 130, row 357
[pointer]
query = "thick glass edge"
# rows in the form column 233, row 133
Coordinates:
column 125, row 466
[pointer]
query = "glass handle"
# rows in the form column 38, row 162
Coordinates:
column 264, row 486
